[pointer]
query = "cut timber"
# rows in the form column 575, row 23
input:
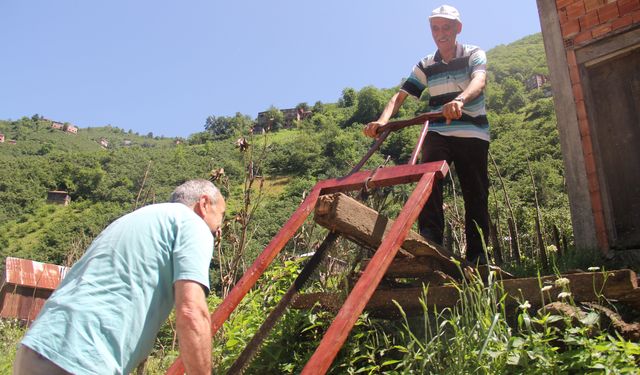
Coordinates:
column 363, row 225
column 619, row 285
column 412, row 267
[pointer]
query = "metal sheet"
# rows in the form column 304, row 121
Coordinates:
column 26, row 286
column 29, row 273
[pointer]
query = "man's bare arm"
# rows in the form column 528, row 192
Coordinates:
column 193, row 326
column 453, row 109
column 374, row 128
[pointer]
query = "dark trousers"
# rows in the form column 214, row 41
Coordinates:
column 469, row 156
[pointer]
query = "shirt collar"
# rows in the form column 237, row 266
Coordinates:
column 459, row 51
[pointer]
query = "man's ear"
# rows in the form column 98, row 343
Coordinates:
column 200, row 207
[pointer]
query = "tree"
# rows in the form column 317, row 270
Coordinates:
column 513, row 95
column 349, row 98
column 318, row 107
column 223, row 127
column 371, row 102
column 275, row 119
column 302, row 106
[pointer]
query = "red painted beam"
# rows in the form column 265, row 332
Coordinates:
column 416, row 151
column 355, row 303
column 383, row 177
column 401, row 174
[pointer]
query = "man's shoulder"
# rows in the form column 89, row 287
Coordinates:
column 469, row 49
column 427, row 60
column 163, row 214
column 163, row 209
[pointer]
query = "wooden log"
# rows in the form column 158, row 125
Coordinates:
column 411, row 267
column 363, row 225
column 426, row 270
column 619, row 285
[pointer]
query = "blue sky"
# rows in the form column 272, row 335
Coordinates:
column 164, row 66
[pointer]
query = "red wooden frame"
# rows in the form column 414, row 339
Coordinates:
column 424, row 174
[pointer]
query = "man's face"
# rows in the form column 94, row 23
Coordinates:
column 444, row 32
column 214, row 214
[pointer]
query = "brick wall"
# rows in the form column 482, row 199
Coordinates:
column 582, row 22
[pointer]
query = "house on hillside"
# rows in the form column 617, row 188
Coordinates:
column 290, row 115
column 593, row 53
column 26, row 285
column 58, row 197
column 536, row 81
column 66, row 127
column 1, row 138
column 104, row 142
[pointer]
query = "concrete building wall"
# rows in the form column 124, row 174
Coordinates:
column 580, row 35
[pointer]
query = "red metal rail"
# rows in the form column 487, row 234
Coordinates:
column 355, row 303
column 425, row 174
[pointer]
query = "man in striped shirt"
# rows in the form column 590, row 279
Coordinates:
column 455, row 77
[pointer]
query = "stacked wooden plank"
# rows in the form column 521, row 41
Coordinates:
column 435, row 266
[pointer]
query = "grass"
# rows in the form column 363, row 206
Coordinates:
column 480, row 335
column 11, row 333
column 473, row 337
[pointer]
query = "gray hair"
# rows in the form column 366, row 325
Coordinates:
column 190, row 192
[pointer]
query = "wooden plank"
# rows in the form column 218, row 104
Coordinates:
column 595, row 52
column 411, row 267
column 632, row 299
column 618, row 285
column 426, row 270
column 363, row 225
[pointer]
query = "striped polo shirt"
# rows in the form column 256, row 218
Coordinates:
column 445, row 81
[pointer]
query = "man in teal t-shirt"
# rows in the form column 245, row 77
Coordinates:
column 106, row 313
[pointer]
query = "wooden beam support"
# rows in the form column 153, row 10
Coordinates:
column 619, row 285
column 363, row 225
column 411, row 267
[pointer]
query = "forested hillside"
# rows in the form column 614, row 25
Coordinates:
column 264, row 171
column 134, row 170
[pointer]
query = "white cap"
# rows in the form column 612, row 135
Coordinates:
column 446, row 11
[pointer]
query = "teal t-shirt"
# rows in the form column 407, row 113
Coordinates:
column 106, row 313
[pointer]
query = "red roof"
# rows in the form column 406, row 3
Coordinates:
column 33, row 274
